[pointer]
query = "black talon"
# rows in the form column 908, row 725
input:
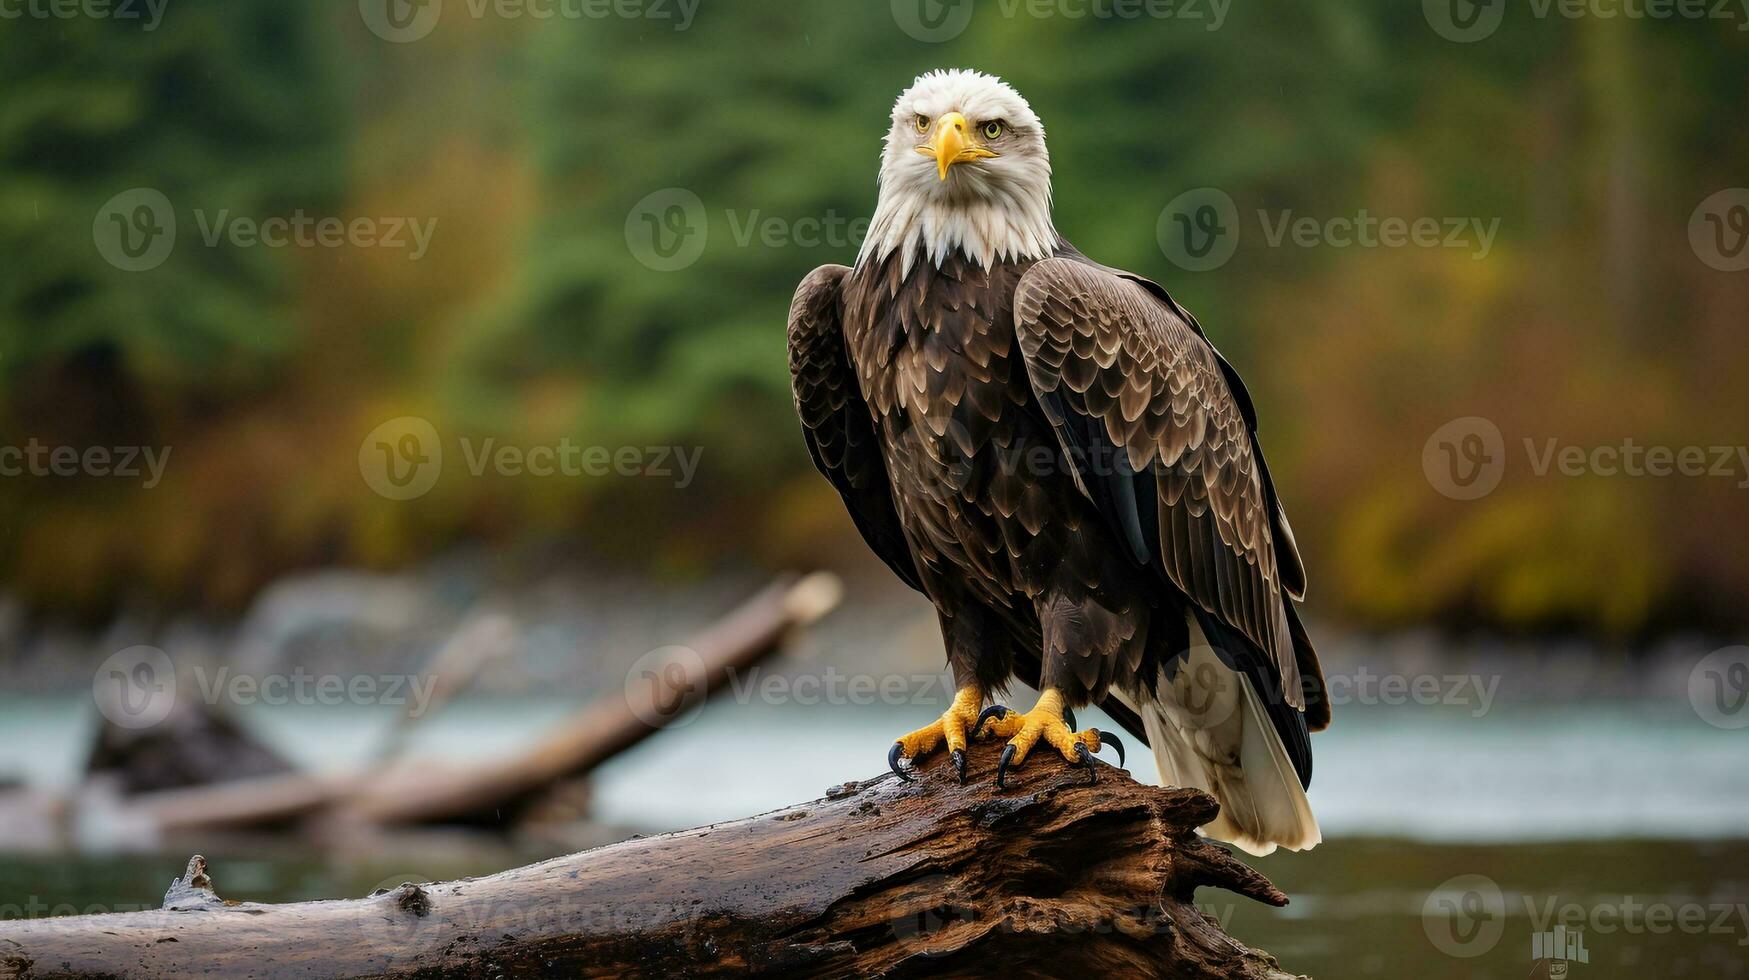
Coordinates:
column 995, row 711
column 893, row 762
column 1087, row 761
column 1002, row 765
column 1107, row 738
column 959, row 763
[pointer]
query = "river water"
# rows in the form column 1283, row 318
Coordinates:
column 1455, row 834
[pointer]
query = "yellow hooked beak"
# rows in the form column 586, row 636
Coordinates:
column 952, row 143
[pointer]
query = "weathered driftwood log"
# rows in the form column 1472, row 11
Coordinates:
column 672, row 682
column 1053, row 877
column 675, row 681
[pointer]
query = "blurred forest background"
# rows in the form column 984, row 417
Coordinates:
column 532, row 142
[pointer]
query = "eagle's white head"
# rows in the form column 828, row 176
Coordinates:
column 965, row 168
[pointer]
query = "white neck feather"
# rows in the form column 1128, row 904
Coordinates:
column 985, row 229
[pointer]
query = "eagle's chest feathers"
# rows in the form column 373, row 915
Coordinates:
column 934, row 352
column 935, row 356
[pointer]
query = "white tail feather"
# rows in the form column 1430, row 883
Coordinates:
column 1209, row 730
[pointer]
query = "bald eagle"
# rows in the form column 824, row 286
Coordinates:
column 1055, row 455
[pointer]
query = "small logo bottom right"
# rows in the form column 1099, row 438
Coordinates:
column 1553, row 954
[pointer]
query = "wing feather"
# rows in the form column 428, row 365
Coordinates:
column 836, row 422
column 1166, row 430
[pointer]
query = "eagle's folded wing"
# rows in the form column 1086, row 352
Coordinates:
column 836, row 422
column 1162, row 444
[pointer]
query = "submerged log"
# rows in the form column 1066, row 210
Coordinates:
column 1052, row 877
column 195, row 744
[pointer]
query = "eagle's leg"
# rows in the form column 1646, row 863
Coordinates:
column 1048, row 722
column 953, row 727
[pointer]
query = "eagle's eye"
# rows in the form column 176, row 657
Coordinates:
column 992, row 129
column 922, row 123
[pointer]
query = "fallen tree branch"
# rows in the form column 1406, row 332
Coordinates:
column 405, row 792
column 483, row 638
column 663, row 690
column 1053, row 877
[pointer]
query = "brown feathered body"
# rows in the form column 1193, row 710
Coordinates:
column 1054, row 454
column 1013, row 554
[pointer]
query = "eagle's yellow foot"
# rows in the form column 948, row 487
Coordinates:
column 1049, row 721
column 952, row 727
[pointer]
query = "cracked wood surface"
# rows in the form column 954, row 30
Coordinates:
column 1053, row 877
